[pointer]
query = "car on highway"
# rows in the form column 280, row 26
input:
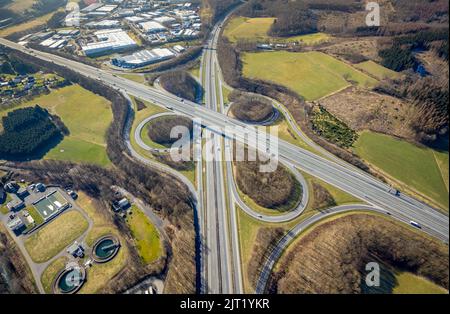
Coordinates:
column 415, row 224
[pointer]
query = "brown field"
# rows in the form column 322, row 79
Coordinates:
column 362, row 109
column 366, row 47
column 335, row 21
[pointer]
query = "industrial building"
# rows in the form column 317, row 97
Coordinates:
column 152, row 27
column 103, row 24
column 109, row 41
column 143, row 58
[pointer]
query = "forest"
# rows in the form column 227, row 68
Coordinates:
column 182, row 84
column 252, row 108
column 274, row 190
column 159, row 129
column 27, row 131
column 333, row 256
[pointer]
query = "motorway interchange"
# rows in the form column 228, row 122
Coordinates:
column 216, row 192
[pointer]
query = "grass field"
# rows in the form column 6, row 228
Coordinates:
column 256, row 29
column 340, row 197
column 138, row 78
column 35, row 215
column 416, row 167
column 49, row 274
column 19, row 6
column 145, row 236
column 54, row 237
column 248, row 28
column 3, row 208
column 312, row 75
column 100, row 274
column 376, row 70
column 27, row 25
column 86, row 115
column 408, row 283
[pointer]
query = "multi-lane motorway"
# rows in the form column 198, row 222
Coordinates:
column 221, row 264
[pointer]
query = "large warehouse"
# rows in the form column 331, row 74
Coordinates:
column 152, row 27
column 143, row 58
column 109, row 41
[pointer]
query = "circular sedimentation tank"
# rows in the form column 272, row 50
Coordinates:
column 105, row 249
column 69, row 280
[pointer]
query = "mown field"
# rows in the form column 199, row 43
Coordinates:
column 145, row 235
column 86, row 115
column 256, row 29
column 99, row 275
column 376, row 70
column 248, row 28
column 423, row 169
column 50, row 273
column 312, row 75
column 52, row 238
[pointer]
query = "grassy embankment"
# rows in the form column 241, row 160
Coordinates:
column 377, row 71
column 49, row 274
column 422, row 169
column 145, row 235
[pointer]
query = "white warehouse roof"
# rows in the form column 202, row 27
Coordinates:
column 152, row 26
column 112, row 39
column 107, row 8
column 145, row 57
column 164, row 19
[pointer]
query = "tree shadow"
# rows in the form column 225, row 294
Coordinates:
column 39, row 153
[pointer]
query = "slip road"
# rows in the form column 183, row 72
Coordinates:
column 227, row 304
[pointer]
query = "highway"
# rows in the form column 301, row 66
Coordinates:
column 220, row 224
column 360, row 185
column 217, row 239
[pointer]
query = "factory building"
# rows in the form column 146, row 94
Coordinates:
column 109, row 41
column 152, row 27
column 103, row 24
column 143, row 58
